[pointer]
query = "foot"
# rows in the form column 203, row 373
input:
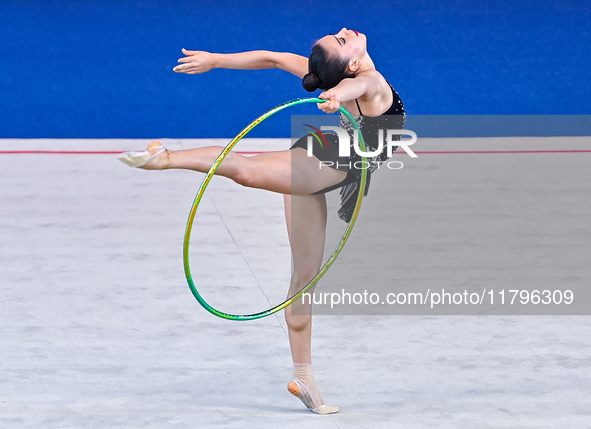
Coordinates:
column 157, row 161
column 298, row 388
column 303, row 385
column 155, row 157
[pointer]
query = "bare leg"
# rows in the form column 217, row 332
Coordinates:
column 297, row 176
column 286, row 172
column 306, row 225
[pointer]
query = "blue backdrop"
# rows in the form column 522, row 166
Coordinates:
column 103, row 69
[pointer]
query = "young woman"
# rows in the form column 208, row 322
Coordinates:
column 339, row 65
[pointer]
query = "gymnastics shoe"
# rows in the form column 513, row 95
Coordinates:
column 299, row 389
column 139, row 159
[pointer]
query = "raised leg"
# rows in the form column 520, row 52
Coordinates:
column 286, row 172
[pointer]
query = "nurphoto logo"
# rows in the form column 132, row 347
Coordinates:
column 392, row 139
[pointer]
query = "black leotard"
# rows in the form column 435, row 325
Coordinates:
column 393, row 118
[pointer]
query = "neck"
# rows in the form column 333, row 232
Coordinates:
column 366, row 64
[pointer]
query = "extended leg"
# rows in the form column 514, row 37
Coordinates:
column 306, row 223
column 286, row 172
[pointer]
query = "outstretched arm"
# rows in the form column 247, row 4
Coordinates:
column 200, row 62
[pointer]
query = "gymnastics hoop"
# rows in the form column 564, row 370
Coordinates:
column 206, row 181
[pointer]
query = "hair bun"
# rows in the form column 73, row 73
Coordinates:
column 311, row 82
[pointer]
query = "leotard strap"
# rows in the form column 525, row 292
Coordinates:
column 359, row 108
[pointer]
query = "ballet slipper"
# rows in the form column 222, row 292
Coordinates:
column 139, row 159
column 299, row 389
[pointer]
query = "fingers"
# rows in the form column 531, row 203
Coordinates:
column 188, row 64
column 186, row 59
column 332, row 104
column 194, row 63
column 186, row 68
column 183, row 68
column 329, row 106
column 186, row 52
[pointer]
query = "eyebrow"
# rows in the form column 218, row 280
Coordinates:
column 340, row 43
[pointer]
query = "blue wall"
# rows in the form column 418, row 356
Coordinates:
column 103, row 69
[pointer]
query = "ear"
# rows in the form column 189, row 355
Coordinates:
column 354, row 65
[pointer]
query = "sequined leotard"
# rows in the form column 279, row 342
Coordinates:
column 393, row 118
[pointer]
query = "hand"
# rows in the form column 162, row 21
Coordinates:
column 330, row 106
column 195, row 62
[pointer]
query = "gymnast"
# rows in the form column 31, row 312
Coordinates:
column 341, row 67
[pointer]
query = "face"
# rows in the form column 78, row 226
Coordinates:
column 346, row 43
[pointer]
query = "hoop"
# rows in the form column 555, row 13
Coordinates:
column 206, row 181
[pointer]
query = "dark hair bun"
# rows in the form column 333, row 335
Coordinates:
column 311, row 82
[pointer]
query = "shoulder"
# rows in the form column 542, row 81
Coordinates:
column 379, row 96
column 376, row 84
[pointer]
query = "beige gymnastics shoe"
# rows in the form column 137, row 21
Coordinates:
column 140, row 159
column 299, row 389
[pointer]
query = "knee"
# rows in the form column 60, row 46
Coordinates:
column 297, row 322
column 302, row 276
column 244, row 177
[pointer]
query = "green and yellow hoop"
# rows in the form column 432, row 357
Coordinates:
column 206, row 181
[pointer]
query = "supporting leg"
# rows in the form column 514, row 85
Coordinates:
column 306, row 224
